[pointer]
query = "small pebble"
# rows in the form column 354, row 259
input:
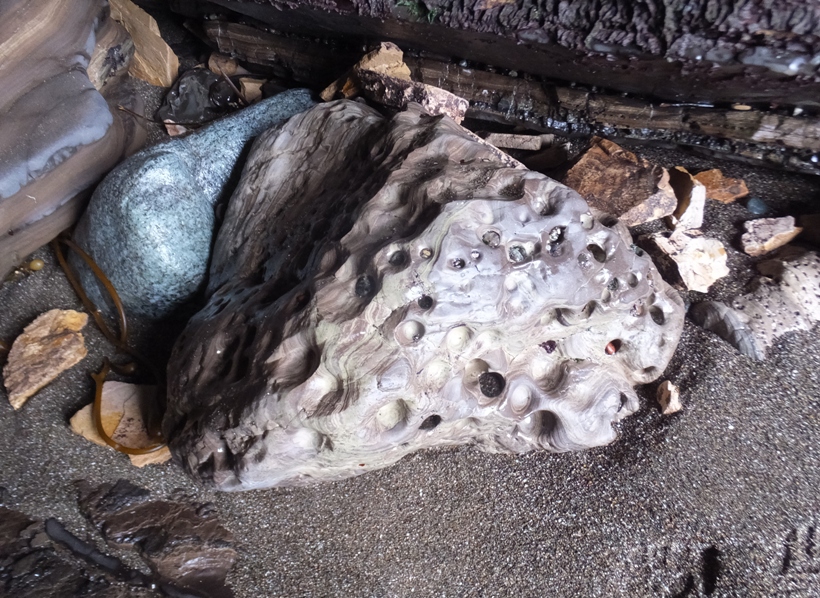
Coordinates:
column 35, row 265
column 757, row 206
column 491, row 384
column 425, row 302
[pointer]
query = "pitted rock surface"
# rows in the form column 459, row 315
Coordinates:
column 381, row 286
column 151, row 222
column 786, row 298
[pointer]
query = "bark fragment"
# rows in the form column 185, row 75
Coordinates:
column 48, row 346
column 767, row 234
column 617, row 182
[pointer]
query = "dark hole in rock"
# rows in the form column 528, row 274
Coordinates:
column 613, row 284
column 458, row 263
column 491, row 384
column 549, row 346
column 546, row 423
column 656, row 313
column 430, row 423
column 491, row 239
column 425, row 302
column 556, row 234
column 398, row 258
column 638, row 251
column 365, row 286
column 613, row 347
column 517, row 254
column 608, row 220
column 597, row 252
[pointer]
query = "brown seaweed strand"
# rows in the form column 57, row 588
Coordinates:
column 99, row 379
column 120, row 342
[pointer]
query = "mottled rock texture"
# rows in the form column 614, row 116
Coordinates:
column 58, row 136
column 381, row 286
column 784, row 299
column 150, row 223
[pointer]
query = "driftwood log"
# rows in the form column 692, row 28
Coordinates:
column 762, row 136
column 676, row 50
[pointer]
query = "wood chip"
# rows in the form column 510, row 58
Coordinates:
column 223, row 64
column 511, row 141
column 767, row 234
column 691, row 195
column 122, row 413
column 700, row 261
column 387, row 59
column 669, row 398
column 48, row 346
column 722, row 188
column 617, row 182
column 154, row 61
column 251, row 89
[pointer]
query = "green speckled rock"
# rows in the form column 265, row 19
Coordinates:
column 150, row 223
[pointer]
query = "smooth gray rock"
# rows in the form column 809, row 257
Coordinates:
column 150, row 223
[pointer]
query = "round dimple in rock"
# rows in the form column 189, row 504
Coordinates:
column 656, row 313
column 632, row 280
column 491, row 239
column 410, row 332
column 517, row 253
column 425, row 302
column 520, row 399
column 491, row 384
column 475, row 255
column 637, row 250
column 365, row 286
column 398, row 259
column 556, row 234
column 613, row 284
column 549, row 346
column 458, row 263
column 426, row 253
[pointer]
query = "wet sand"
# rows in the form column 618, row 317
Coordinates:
column 718, row 500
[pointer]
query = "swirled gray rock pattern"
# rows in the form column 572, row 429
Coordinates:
column 150, row 223
column 381, row 286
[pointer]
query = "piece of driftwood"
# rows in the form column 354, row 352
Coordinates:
column 58, row 136
column 755, row 135
column 619, row 183
column 733, row 51
column 154, row 61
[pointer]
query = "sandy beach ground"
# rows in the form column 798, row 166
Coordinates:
column 720, row 499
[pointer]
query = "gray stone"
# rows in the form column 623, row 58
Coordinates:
column 383, row 286
column 150, row 223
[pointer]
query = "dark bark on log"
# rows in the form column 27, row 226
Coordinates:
column 755, row 135
column 677, row 50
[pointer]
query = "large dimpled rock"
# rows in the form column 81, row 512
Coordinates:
column 381, row 286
